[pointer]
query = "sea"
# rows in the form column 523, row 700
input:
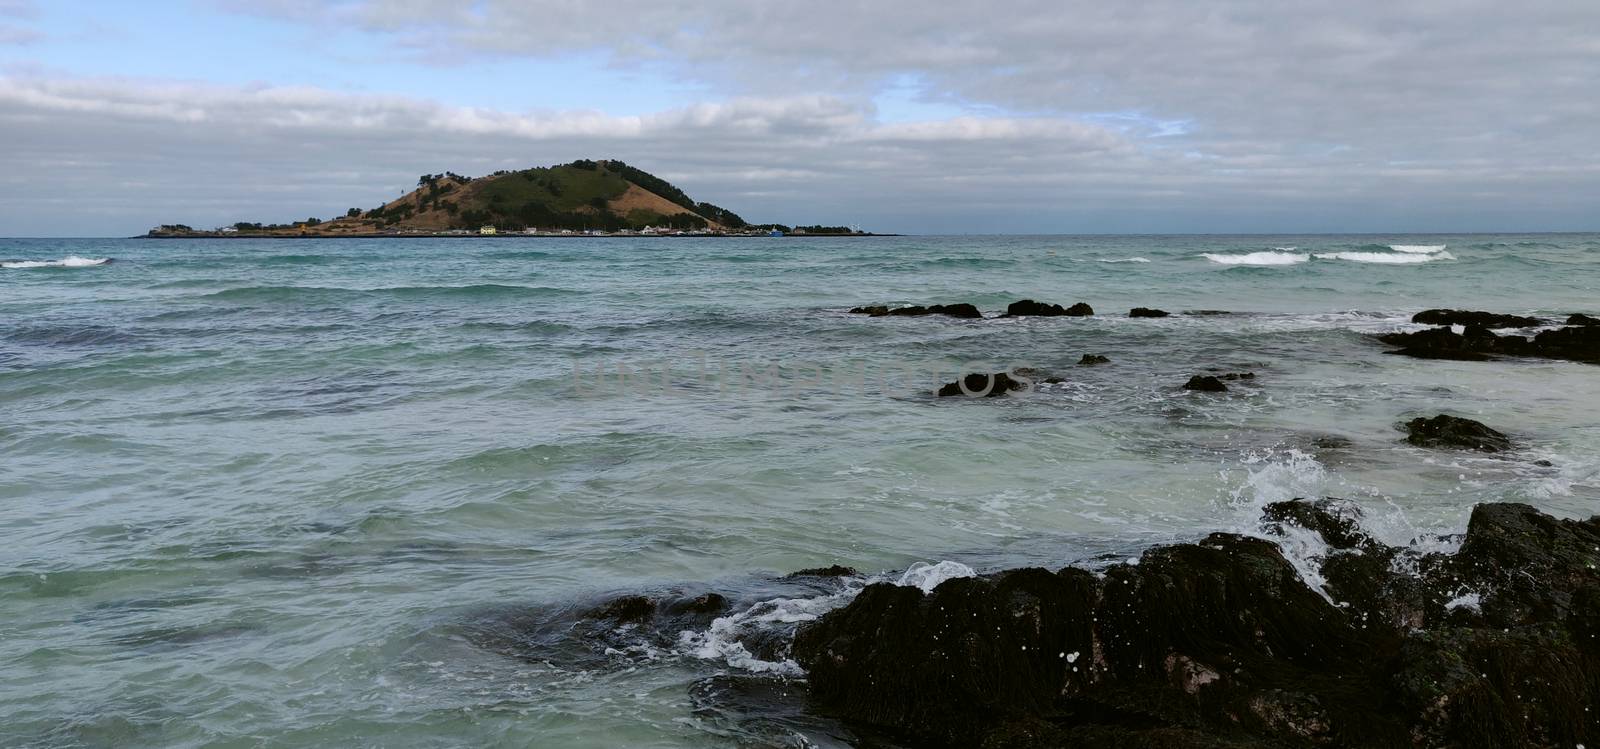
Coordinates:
column 322, row 492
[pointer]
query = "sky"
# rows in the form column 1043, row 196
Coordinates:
column 916, row 116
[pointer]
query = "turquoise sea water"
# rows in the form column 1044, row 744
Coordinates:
column 308, row 492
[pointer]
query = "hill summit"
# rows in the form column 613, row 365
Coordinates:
column 582, row 195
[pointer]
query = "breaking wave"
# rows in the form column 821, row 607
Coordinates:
column 1388, row 258
column 1258, row 258
column 1122, row 260
column 70, row 261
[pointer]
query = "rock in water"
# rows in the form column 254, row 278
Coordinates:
column 1582, row 319
column 1030, row 308
column 1452, row 431
column 1205, row 384
column 1222, row 644
column 982, row 385
column 1090, row 360
column 1147, row 312
column 1464, row 317
column 964, row 311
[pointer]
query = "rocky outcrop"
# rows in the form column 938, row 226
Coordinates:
column 1221, row 643
column 1455, row 432
column 1464, row 317
column 1582, row 319
column 1090, row 360
column 1206, row 384
column 964, row 311
column 1147, row 312
column 1478, row 343
column 1030, row 308
column 978, row 385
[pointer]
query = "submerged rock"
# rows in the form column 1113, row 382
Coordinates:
column 1453, row 431
column 1221, row 643
column 978, row 385
column 1205, row 384
column 964, row 311
column 1030, row 308
column 1464, row 317
column 1090, row 360
column 1147, row 312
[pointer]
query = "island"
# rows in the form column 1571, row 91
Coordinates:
column 582, row 198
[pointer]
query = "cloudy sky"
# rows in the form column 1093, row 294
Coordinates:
column 919, row 116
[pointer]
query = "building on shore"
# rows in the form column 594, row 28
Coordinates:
column 487, row 231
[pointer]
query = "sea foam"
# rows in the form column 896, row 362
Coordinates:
column 1387, row 258
column 70, row 261
column 1258, row 258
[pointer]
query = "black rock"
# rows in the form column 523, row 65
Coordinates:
column 1452, row 431
column 1464, row 317
column 829, row 571
column 982, row 385
column 1090, row 360
column 1207, row 312
column 1222, row 644
column 964, row 311
column 1030, row 308
column 1205, row 384
column 1582, row 319
column 1146, row 312
column 1238, row 376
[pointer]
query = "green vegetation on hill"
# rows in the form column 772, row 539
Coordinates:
column 579, row 196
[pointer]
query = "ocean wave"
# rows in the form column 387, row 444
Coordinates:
column 278, row 294
column 1386, row 258
column 1422, row 249
column 1122, row 260
column 1257, row 258
column 70, row 261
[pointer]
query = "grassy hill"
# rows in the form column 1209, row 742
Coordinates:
column 584, row 194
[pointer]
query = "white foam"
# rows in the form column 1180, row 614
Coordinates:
column 722, row 640
column 1258, row 258
column 1388, row 258
column 1471, row 601
column 1123, row 260
column 70, row 261
column 1422, row 249
column 928, row 576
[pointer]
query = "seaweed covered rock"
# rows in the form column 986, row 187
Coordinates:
column 1464, row 317
column 1455, row 432
column 964, row 311
column 1147, row 312
column 980, row 385
column 1031, row 308
column 1222, row 643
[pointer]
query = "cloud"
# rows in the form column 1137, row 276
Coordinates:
column 1079, row 116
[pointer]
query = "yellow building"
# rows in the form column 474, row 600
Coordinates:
column 487, row 230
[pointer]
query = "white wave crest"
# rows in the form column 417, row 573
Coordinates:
column 70, row 261
column 1122, row 260
column 1385, row 258
column 1421, row 249
column 1258, row 258
column 928, row 576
